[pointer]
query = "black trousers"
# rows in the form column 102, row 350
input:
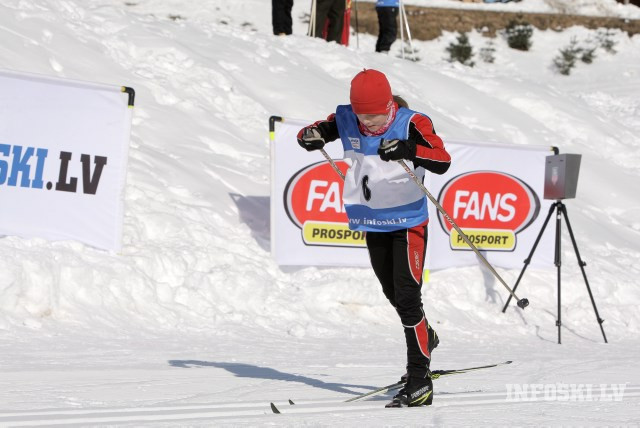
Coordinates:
column 387, row 28
column 281, row 16
column 333, row 11
column 397, row 259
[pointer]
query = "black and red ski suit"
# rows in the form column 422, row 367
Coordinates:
column 398, row 257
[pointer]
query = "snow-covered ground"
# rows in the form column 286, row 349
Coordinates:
column 193, row 324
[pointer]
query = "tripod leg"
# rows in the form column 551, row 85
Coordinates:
column 582, row 264
column 558, row 263
column 528, row 259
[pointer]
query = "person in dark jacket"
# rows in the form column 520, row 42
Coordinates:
column 387, row 11
column 380, row 199
column 329, row 16
column 281, row 17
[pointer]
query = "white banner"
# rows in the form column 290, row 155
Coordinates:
column 63, row 157
column 306, row 205
column 492, row 191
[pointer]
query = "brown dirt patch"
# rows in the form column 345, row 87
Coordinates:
column 429, row 23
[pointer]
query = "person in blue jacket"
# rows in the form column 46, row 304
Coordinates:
column 379, row 198
column 387, row 11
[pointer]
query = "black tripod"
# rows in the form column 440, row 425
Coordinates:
column 562, row 209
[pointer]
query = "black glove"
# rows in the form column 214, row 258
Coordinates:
column 397, row 149
column 311, row 139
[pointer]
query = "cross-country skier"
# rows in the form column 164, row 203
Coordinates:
column 380, row 199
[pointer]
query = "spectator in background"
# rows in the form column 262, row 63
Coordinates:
column 329, row 17
column 387, row 11
column 281, row 17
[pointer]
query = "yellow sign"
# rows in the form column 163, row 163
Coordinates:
column 331, row 234
column 484, row 239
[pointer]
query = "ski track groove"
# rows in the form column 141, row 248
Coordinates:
column 209, row 412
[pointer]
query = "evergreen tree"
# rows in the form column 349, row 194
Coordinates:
column 518, row 33
column 461, row 51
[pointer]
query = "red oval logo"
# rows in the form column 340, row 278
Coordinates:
column 488, row 200
column 315, row 193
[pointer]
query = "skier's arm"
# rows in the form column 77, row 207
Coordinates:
column 314, row 136
column 430, row 151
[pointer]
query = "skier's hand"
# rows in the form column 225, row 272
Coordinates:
column 393, row 150
column 311, row 139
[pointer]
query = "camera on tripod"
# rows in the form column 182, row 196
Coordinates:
column 560, row 182
column 561, row 176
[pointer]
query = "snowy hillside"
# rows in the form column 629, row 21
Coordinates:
column 194, row 324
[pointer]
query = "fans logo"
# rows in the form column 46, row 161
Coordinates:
column 313, row 202
column 490, row 207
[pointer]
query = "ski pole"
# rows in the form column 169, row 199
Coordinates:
column 522, row 303
column 357, row 29
column 311, row 31
column 402, row 34
column 333, row 164
column 406, row 22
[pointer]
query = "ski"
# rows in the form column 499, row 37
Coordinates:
column 435, row 374
column 439, row 373
column 399, row 384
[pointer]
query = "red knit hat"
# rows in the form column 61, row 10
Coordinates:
column 370, row 93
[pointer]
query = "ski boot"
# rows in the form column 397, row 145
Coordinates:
column 417, row 392
column 433, row 344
